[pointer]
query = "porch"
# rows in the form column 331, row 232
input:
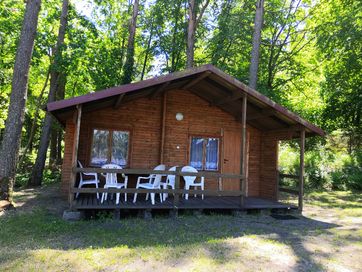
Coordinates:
column 214, row 199
column 90, row 202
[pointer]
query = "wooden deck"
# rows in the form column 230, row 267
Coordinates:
column 90, row 202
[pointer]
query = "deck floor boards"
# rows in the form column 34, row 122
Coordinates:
column 89, row 201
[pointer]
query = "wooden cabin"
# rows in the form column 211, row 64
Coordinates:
column 200, row 117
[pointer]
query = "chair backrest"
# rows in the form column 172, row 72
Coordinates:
column 171, row 178
column 190, row 169
column 80, row 173
column 156, row 178
column 80, row 165
column 111, row 178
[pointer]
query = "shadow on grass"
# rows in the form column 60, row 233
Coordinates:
column 42, row 229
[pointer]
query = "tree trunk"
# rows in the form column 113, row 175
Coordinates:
column 53, row 146
column 254, row 62
column 147, row 52
column 9, row 150
column 193, row 22
column 128, row 69
column 37, row 172
column 191, row 26
column 61, row 95
column 33, row 125
column 55, row 134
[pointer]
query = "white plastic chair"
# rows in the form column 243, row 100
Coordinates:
column 111, row 182
column 170, row 182
column 191, row 180
column 154, row 183
column 82, row 181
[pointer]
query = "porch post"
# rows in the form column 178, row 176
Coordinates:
column 163, row 127
column 73, row 175
column 301, row 170
column 243, row 150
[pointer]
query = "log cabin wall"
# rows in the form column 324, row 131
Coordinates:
column 67, row 157
column 143, row 118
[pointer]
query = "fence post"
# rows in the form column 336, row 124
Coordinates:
column 176, row 198
column 278, row 184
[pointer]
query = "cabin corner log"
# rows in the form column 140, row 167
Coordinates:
column 243, row 151
column 73, row 175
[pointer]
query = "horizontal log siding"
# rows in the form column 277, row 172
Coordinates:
column 143, row 117
column 67, row 158
column 254, row 162
column 268, row 171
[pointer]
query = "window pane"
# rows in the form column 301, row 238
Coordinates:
column 120, row 147
column 99, row 147
column 212, row 154
column 196, row 152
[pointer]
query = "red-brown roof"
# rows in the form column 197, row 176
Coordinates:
column 214, row 85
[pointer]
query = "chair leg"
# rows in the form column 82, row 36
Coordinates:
column 187, row 187
column 125, row 196
column 79, row 186
column 117, row 198
column 102, row 199
column 97, row 192
column 202, row 188
column 135, row 198
column 105, row 196
column 161, row 197
column 153, row 198
column 147, row 196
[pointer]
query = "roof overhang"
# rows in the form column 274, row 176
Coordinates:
column 208, row 82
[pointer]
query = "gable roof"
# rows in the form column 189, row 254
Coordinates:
column 209, row 83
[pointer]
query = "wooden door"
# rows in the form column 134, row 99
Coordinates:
column 231, row 158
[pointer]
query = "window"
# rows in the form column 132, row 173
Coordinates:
column 204, row 153
column 109, row 146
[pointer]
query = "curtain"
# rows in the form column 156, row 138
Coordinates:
column 99, row 154
column 120, row 147
column 212, row 154
column 196, row 152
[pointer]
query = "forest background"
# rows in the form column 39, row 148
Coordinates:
column 309, row 60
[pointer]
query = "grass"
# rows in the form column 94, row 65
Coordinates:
column 325, row 238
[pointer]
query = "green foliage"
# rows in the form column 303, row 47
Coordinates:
column 339, row 40
column 310, row 61
column 327, row 165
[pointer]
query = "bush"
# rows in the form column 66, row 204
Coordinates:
column 350, row 175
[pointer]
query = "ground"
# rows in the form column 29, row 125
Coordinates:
column 328, row 237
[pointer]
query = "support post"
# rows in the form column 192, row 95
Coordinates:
column 243, row 151
column 301, row 171
column 176, row 197
column 163, row 127
column 73, row 175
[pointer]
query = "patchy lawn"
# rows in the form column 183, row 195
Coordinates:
column 328, row 237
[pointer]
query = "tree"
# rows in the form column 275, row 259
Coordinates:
column 55, row 78
column 254, row 62
column 128, row 69
column 339, row 42
column 10, row 144
column 193, row 21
